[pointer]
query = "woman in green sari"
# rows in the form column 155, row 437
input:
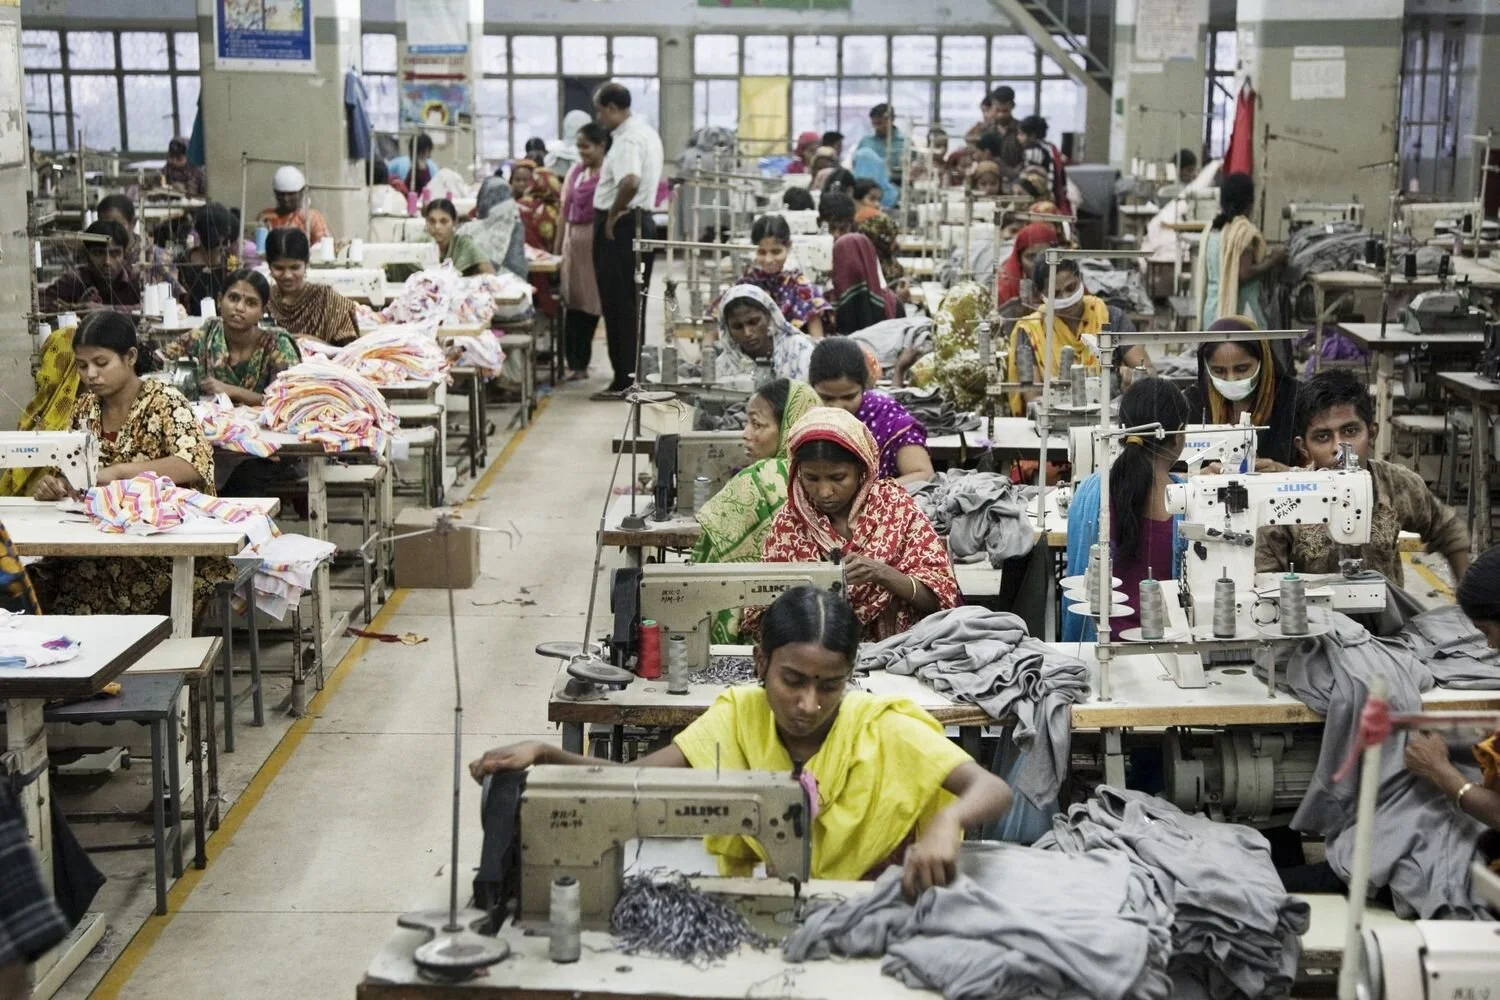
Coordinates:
column 736, row 519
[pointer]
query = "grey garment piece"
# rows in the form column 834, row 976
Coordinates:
column 1016, row 923
column 987, row 658
column 935, row 412
column 888, row 338
column 979, row 513
column 1235, row 930
column 718, row 415
column 1126, row 287
column 1423, row 844
column 1456, row 653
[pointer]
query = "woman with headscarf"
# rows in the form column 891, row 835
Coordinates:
column 735, row 520
column 751, row 329
column 896, row 566
column 1031, row 241
column 1078, row 318
column 860, row 298
column 807, row 146
column 1235, row 257
column 1243, row 376
column 580, row 291
column 498, row 232
column 867, row 165
column 563, row 155
column 825, row 160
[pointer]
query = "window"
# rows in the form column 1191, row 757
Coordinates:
column 1432, row 68
column 716, row 55
column 378, row 68
column 767, row 55
column 528, row 82
column 815, row 55
column 1218, row 93
column 914, row 55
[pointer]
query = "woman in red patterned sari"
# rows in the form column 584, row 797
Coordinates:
column 897, row 568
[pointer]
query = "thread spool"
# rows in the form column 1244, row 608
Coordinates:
column 1224, row 613
column 1025, row 362
column 1293, row 605
column 1080, row 386
column 1409, row 267
column 1091, row 575
column 669, row 363
column 1065, row 362
column 677, row 668
column 986, row 347
column 648, row 665
column 710, row 356
column 1153, row 610
column 564, row 943
column 702, row 491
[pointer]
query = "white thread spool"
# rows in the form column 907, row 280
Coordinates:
column 986, row 346
column 677, row 666
column 206, row 308
column 565, row 940
column 1224, row 610
column 702, row 492
column 710, row 356
column 669, row 363
column 1293, row 605
column 1153, row 610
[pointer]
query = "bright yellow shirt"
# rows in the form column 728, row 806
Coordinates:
column 1095, row 316
column 880, row 775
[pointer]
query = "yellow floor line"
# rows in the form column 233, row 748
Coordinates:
column 140, row 945
column 1432, row 578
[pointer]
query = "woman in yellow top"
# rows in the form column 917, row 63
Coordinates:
column 889, row 787
column 1078, row 315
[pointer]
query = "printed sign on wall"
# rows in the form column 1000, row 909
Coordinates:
column 264, row 35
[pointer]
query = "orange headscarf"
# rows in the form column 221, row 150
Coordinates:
column 1031, row 235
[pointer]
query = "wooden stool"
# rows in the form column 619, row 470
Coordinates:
column 526, row 344
column 365, row 483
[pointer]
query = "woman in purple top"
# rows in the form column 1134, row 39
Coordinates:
column 841, row 377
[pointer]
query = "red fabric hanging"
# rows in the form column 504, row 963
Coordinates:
column 1239, row 155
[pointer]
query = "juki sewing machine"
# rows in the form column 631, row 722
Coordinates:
column 683, row 599
column 75, row 454
column 1228, row 445
column 680, row 460
column 576, row 821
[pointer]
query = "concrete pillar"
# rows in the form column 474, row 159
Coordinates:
column 16, row 342
column 1482, row 74
column 1157, row 104
column 287, row 117
column 675, row 67
column 1327, row 73
column 452, row 149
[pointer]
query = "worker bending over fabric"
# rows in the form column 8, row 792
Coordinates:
column 1334, row 409
column 889, row 789
column 841, row 375
column 290, row 188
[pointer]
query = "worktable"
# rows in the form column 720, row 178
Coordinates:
column 1484, row 395
column 1479, row 276
column 1452, row 346
column 41, row 528
column 110, row 644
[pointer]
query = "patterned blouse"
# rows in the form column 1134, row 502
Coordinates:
column 161, row 424
column 893, row 427
column 800, row 300
column 209, row 349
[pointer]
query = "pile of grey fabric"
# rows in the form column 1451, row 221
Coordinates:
column 1455, row 652
column 1422, row 843
column 718, row 415
column 936, row 413
column 987, row 658
column 981, row 514
column 1234, row 930
column 1016, row 923
column 1123, row 286
column 888, row 338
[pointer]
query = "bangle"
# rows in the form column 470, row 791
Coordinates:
column 913, row 588
column 1458, row 797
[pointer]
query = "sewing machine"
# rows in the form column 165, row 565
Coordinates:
column 419, row 255
column 683, row 599
column 1423, row 219
column 576, row 821
column 1442, row 310
column 364, row 283
column 1300, row 214
column 75, row 454
column 680, row 459
column 1228, row 445
column 1220, row 516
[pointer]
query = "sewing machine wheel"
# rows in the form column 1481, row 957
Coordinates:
column 453, row 955
column 1168, row 635
column 596, row 671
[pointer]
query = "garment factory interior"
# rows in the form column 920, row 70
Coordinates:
column 772, row 498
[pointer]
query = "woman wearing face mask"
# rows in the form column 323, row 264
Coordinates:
column 142, row 426
column 1143, row 537
column 896, row 566
column 736, row 519
column 751, row 329
column 1077, row 315
column 801, row 302
column 890, row 789
column 1242, row 377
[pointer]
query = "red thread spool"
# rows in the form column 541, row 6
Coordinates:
column 648, row 666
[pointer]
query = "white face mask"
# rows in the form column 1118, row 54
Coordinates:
column 1236, row 389
column 1067, row 301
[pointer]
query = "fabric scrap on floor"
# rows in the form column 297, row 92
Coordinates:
column 988, row 659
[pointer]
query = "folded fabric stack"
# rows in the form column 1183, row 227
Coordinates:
column 395, row 354
column 981, row 514
column 330, row 404
column 148, row 504
column 1016, row 923
column 937, row 413
column 988, row 659
column 1235, row 931
column 425, row 299
column 232, row 428
column 287, row 565
column 482, row 351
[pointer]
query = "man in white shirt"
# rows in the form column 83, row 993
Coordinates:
column 623, row 203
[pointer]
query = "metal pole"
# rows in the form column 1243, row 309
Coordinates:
column 244, row 190
column 1359, row 871
column 1106, row 576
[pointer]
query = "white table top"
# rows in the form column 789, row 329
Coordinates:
column 41, row 528
column 1478, row 274
column 109, row 645
column 1397, row 338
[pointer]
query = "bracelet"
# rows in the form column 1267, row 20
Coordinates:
column 913, row 588
column 1458, row 798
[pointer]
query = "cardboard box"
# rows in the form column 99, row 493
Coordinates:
column 420, row 562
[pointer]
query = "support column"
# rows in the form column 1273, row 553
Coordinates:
column 675, row 68
column 1482, row 62
column 287, row 117
column 1156, row 107
column 1327, row 73
column 16, row 342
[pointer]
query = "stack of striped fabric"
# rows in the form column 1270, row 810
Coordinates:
column 148, row 504
column 330, row 404
column 394, row 355
column 232, row 428
column 426, row 298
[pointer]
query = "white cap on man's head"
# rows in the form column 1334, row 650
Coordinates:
column 288, row 180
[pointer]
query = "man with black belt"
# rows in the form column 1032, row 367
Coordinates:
column 623, row 203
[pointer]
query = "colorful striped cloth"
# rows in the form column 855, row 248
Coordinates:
column 148, row 504
column 331, row 405
column 396, row 354
column 232, row 428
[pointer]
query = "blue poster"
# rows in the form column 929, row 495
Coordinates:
column 270, row 35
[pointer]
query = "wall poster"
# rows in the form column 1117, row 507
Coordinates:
column 272, row 36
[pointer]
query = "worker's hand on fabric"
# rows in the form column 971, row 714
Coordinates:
column 1267, row 465
column 515, row 757
column 52, row 488
column 862, row 569
column 1427, row 756
column 212, row 386
column 932, row 860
